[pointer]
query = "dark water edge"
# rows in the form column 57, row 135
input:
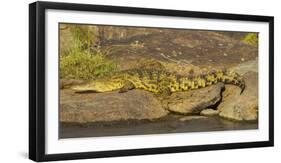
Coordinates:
column 168, row 124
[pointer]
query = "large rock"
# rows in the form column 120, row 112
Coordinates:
column 245, row 67
column 241, row 107
column 205, row 49
column 193, row 102
column 111, row 106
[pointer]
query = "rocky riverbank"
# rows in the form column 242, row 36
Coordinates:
column 219, row 100
column 214, row 108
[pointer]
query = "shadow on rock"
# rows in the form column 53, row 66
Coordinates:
column 193, row 102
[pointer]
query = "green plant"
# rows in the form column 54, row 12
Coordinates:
column 83, row 65
column 251, row 39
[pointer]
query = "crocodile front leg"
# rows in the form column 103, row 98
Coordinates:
column 128, row 85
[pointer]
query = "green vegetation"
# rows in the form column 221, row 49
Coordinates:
column 84, row 65
column 83, row 61
column 251, row 39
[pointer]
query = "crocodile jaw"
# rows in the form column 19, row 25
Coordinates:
column 98, row 86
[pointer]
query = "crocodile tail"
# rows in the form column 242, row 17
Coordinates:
column 235, row 79
column 242, row 87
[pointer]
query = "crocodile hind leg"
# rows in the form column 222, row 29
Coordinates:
column 163, row 96
column 128, row 85
column 164, row 89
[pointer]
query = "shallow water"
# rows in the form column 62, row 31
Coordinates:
column 169, row 124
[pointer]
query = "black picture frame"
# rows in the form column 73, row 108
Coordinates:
column 37, row 80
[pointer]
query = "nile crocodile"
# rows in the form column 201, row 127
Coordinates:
column 159, row 81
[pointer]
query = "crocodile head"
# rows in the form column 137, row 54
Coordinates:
column 99, row 86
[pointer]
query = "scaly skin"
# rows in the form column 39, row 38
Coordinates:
column 159, row 82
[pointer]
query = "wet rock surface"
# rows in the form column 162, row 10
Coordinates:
column 193, row 102
column 168, row 124
column 190, row 118
column 111, row 106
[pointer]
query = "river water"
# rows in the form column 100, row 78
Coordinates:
column 169, row 124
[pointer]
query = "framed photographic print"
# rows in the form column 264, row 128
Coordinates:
column 118, row 81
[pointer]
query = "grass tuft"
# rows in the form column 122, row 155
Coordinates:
column 251, row 39
column 83, row 65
